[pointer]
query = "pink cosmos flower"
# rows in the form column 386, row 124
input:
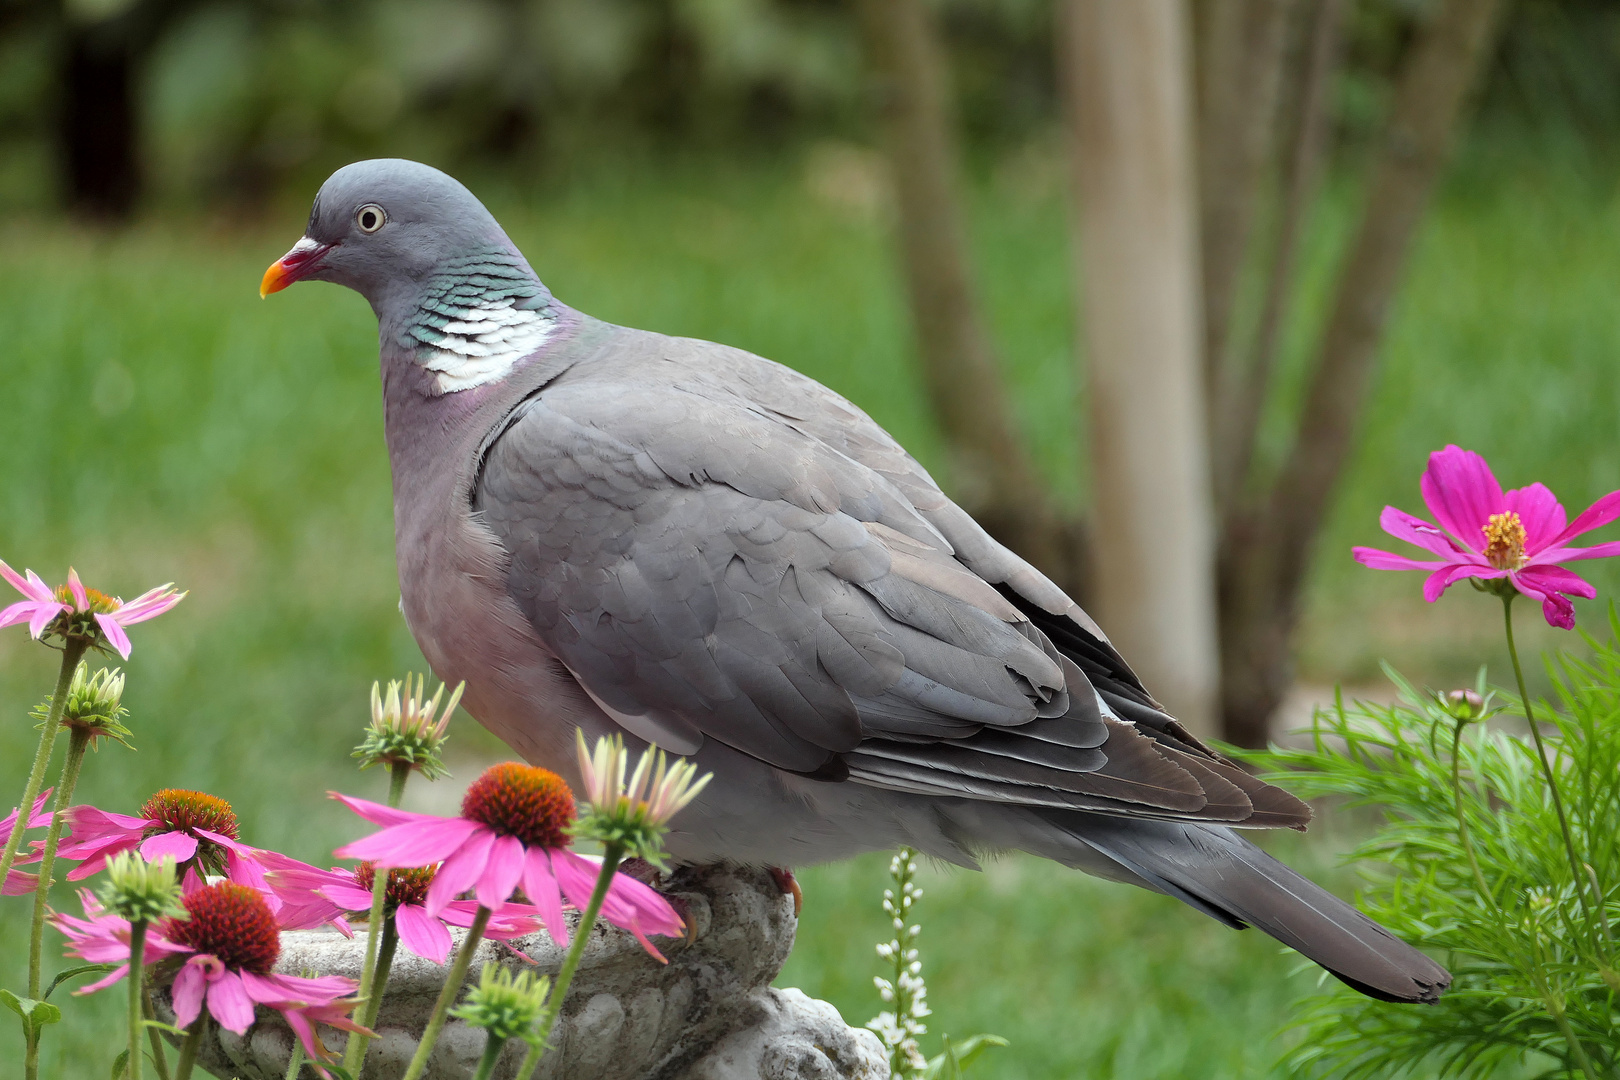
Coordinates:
column 512, row 831
column 198, row 829
column 44, row 604
column 231, row 941
column 17, row 882
column 312, row 897
column 1486, row 533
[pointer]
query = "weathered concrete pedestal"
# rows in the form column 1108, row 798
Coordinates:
column 709, row 1014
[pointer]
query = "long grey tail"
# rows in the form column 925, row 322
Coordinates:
column 1226, row 877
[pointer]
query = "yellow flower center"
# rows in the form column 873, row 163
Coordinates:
column 1504, row 541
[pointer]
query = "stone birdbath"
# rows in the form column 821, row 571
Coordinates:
column 709, row 1014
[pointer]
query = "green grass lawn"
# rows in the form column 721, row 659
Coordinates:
column 162, row 423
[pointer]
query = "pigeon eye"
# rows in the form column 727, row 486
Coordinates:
column 370, row 217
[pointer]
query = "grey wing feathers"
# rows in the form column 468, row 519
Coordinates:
column 719, row 548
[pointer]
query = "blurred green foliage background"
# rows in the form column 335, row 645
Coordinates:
column 703, row 167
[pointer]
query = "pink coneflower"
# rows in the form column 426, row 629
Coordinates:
column 74, row 611
column 1518, row 536
column 312, row 897
column 198, row 829
column 17, row 882
column 513, row 830
column 102, row 938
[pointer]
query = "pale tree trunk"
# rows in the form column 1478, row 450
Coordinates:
column 1266, row 546
column 1241, row 50
column 1124, row 71
column 990, row 473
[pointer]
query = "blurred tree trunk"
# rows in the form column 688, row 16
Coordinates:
column 1124, row 72
column 98, row 118
column 1267, row 538
column 990, row 472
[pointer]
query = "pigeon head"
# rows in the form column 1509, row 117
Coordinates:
column 450, row 290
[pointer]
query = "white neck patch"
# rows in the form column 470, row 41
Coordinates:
column 485, row 343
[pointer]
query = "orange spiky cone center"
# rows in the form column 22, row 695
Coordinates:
column 97, row 601
column 404, row 886
column 231, row 922
column 181, row 809
column 533, row 804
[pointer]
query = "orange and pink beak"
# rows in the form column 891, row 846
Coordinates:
column 294, row 266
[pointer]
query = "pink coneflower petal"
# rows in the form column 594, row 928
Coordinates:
column 1462, row 493
column 347, row 897
column 229, row 1003
column 1384, row 560
column 540, row 885
column 31, row 586
column 629, row 903
column 115, row 634
column 18, row 883
column 81, row 601
column 1419, row 533
column 96, row 862
column 42, row 616
column 416, row 844
column 501, row 873
column 187, row 994
column 378, row 814
column 422, row 933
column 106, row 980
column 461, row 871
column 179, row 844
column 36, row 818
column 149, row 605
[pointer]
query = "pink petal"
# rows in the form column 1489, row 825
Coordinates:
column 1462, row 493
column 1556, row 579
column 1595, row 516
column 229, row 1002
column 243, row 870
column 43, row 614
column 540, row 883
column 188, row 989
column 1384, row 560
column 97, row 861
column 422, row 933
column 1414, row 530
column 420, row 843
column 576, row 875
column 31, row 587
column 379, row 814
column 301, row 1027
column 18, row 883
column 81, row 602
column 501, row 872
column 1443, row 579
column 1569, row 554
column 461, row 870
column 149, row 605
column 115, row 634
column 181, row 845
column 35, row 818
column 347, row 897
column 89, row 822
column 629, row 904
column 1539, row 512
column 105, row 981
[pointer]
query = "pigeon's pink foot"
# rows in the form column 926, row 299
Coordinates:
column 789, row 886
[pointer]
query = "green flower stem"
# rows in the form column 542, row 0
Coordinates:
column 612, row 855
column 189, row 1048
column 1575, row 1048
column 385, row 965
column 1462, row 822
column 354, row 1055
column 137, row 986
column 295, row 1064
column 492, row 1054
column 77, row 742
column 447, row 996
column 159, row 1058
column 71, row 652
column 1541, row 756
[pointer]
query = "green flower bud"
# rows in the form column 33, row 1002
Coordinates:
column 403, row 729
column 504, row 1005
column 142, row 891
column 633, row 815
column 1464, row 706
column 92, row 705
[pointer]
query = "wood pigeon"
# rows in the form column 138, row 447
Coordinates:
column 614, row 530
